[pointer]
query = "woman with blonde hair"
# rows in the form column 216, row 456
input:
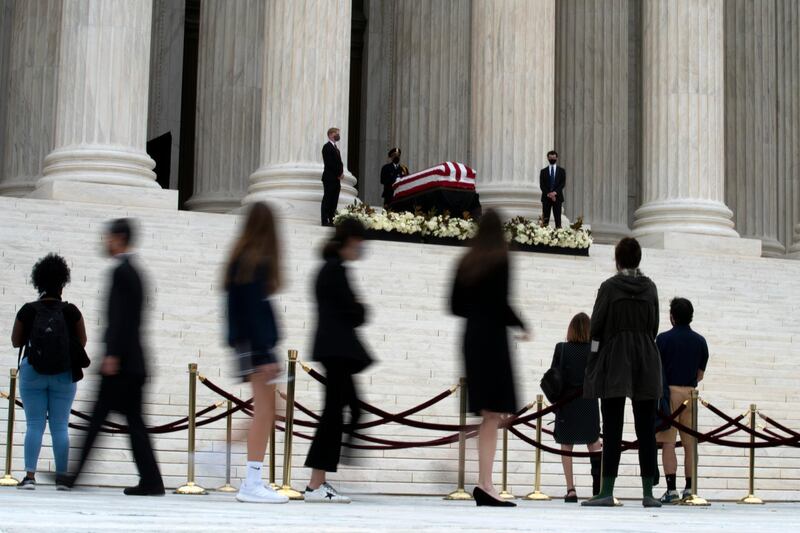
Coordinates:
column 577, row 422
column 252, row 276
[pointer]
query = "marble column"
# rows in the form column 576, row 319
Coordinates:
column 305, row 92
column 684, row 129
column 788, row 95
column 101, row 112
column 751, row 174
column 6, row 16
column 31, row 94
column 430, row 91
column 229, row 78
column 592, row 128
column 512, row 101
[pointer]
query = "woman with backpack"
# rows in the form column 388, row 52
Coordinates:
column 51, row 336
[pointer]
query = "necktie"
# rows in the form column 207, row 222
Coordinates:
column 552, row 178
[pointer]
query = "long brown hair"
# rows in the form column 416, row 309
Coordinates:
column 579, row 329
column 488, row 249
column 256, row 246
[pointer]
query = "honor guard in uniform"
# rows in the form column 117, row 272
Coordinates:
column 390, row 172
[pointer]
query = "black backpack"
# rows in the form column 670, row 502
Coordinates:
column 48, row 343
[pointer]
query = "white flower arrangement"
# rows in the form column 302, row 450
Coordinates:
column 518, row 230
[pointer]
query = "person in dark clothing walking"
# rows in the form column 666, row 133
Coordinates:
column 624, row 363
column 684, row 356
column 332, row 175
column 338, row 348
column 577, row 422
column 480, row 294
column 124, row 369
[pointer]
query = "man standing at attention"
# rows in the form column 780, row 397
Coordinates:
column 552, row 179
column 389, row 173
column 332, row 176
column 684, row 355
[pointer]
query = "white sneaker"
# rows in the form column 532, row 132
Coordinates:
column 259, row 494
column 325, row 494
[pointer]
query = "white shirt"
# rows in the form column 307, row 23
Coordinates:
column 553, row 170
column 333, row 143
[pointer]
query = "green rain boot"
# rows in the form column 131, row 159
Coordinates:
column 647, row 493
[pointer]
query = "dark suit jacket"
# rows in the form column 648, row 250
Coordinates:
column 332, row 159
column 544, row 183
column 250, row 315
column 124, row 320
column 388, row 176
column 339, row 314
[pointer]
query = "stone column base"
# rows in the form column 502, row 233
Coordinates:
column 696, row 243
column 608, row 233
column 103, row 193
column 16, row 188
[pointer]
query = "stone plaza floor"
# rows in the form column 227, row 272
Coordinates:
column 101, row 510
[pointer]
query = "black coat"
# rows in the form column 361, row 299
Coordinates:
column 332, row 159
column 561, row 181
column 389, row 173
column 625, row 323
column 487, row 358
column 339, row 314
column 577, row 422
column 124, row 321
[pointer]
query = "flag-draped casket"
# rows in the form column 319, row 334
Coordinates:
column 448, row 186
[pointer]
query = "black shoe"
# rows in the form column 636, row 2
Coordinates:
column 598, row 501
column 483, row 498
column 571, row 497
column 649, row 501
column 64, row 482
column 140, row 490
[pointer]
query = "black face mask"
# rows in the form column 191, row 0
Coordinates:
column 395, row 160
column 336, row 138
column 553, row 161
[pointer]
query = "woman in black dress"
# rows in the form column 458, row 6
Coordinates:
column 577, row 422
column 480, row 294
column 338, row 348
column 625, row 363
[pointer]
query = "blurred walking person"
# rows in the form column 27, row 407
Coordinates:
column 338, row 348
column 51, row 336
column 124, row 369
column 577, row 422
column 252, row 276
column 624, row 363
column 480, row 294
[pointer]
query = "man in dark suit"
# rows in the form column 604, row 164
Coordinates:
column 123, row 369
column 332, row 176
column 552, row 179
column 389, row 174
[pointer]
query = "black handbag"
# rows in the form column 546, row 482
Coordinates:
column 552, row 383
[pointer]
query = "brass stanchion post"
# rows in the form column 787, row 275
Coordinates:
column 286, row 488
column 191, row 487
column 694, row 499
column 504, row 493
column 228, row 445
column 272, row 484
column 537, row 494
column 751, row 498
column 8, row 480
column 460, row 493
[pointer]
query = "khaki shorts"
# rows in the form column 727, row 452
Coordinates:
column 677, row 395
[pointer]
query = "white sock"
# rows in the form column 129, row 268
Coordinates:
column 253, row 473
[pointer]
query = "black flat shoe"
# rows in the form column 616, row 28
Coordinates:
column 605, row 501
column 139, row 490
column 649, row 501
column 483, row 498
column 571, row 497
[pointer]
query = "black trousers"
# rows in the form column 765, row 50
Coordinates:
column 340, row 392
column 644, row 414
column 330, row 198
column 547, row 205
column 123, row 394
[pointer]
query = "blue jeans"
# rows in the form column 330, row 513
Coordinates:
column 46, row 398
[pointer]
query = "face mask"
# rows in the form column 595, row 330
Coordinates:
column 552, row 161
column 337, row 137
column 395, row 160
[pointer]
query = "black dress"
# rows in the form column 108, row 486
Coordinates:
column 484, row 303
column 578, row 422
